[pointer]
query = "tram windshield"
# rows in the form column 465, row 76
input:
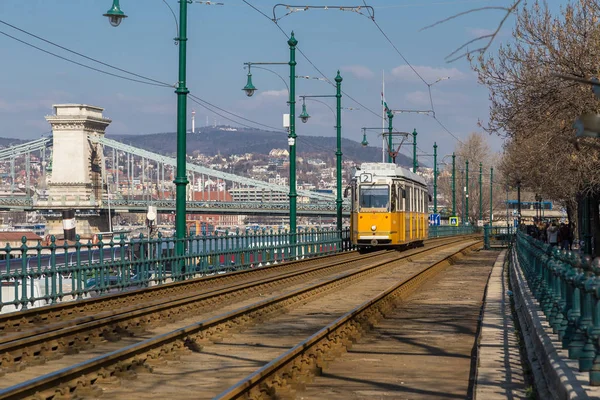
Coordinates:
column 374, row 197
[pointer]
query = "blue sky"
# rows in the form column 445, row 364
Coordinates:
column 221, row 39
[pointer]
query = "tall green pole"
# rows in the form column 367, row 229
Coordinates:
column 480, row 192
column 467, row 193
column 390, row 116
column 181, row 180
column 338, row 152
column 435, row 174
column 292, row 42
column 415, row 163
column 587, row 232
column 453, row 185
column 491, row 194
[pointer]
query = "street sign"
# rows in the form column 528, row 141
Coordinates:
column 435, row 219
column 453, row 221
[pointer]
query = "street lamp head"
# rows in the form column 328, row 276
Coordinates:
column 292, row 40
column 304, row 115
column 249, row 88
column 115, row 15
column 364, row 142
column 338, row 77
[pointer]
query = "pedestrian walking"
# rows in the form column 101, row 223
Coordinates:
column 552, row 234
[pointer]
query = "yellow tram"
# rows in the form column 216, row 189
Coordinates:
column 389, row 206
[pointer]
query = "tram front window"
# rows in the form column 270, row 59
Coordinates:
column 374, row 197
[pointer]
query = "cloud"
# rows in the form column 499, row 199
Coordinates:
column 16, row 106
column 274, row 93
column 477, row 32
column 359, row 71
column 430, row 74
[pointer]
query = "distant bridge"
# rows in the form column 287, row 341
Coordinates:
column 90, row 172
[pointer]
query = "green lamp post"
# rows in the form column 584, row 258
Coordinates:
column 453, row 184
column 250, row 89
column 491, row 194
column 390, row 116
column 415, row 162
column 115, row 16
column 435, row 176
column 304, row 116
column 480, row 191
column 467, row 192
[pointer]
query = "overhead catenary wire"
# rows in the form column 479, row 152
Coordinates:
column 154, row 82
column 416, row 73
column 232, row 113
column 157, row 82
column 83, row 65
column 328, row 80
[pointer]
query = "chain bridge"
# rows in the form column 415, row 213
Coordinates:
column 77, row 167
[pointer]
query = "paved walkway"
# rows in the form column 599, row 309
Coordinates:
column 423, row 350
column 499, row 371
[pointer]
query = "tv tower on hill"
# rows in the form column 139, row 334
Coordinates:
column 193, row 121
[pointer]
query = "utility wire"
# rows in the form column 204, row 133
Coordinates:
column 310, row 62
column 416, row 73
column 159, row 83
column 219, row 114
column 83, row 65
column 231, row 113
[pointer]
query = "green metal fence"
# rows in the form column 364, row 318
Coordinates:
column 32, row 276
column 448, row 230
column 497, row 236
column 567, row 287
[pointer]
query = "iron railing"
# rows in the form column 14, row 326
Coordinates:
column 449, row 230
column 567, row 287
column 47, row 273
column 498, row 236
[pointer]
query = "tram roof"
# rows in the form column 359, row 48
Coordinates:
column 389, row 170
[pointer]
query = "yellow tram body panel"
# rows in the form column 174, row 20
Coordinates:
column 389, row 206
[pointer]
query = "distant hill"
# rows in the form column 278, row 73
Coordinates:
column 7, row 142
column 215, row 141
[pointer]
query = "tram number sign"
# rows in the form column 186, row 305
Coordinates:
column 366, row 178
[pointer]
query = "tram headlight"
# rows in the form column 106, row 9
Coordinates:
column 374, row 228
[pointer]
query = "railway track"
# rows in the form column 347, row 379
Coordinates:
column 62, row 313
column 84, row 378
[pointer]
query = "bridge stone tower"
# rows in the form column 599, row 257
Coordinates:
column 77, row 164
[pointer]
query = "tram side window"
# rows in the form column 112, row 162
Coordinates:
column 374, row 197
column 394, row 201
column 402, row 199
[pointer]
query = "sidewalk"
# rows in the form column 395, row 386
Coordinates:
column 499, row 370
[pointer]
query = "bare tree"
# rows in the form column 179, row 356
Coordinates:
column 476, row 150
column 487, row 39
column 534, row 110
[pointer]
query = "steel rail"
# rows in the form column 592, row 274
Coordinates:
column 110, row 365
column 308, row 355
column 85, row 330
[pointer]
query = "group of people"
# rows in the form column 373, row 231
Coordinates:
column 553, row 234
